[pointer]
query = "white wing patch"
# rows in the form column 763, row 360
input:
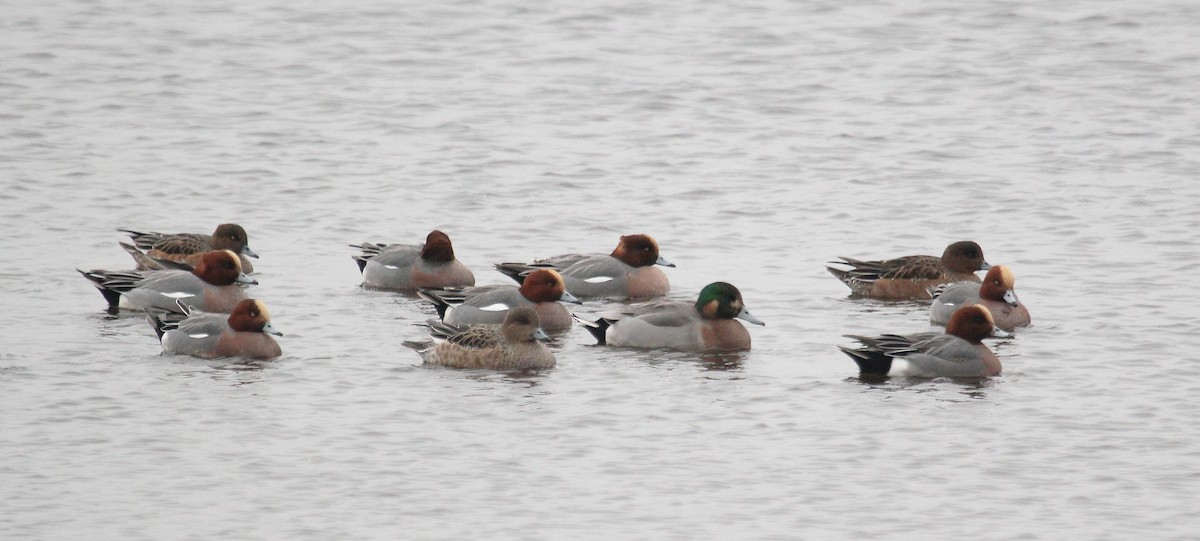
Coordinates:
column 178, row 295
column 498, row 307
column 599, row 279
column 201, row 335
column 390, row 267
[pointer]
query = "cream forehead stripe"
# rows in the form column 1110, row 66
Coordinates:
column 237, row 261
column 262, row 309
column 1006, row 276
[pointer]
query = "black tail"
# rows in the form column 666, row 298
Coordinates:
column 869, row 362
column 438, row 303
column 598, row 328
column 516, row 271
column 112, row 297
column 362, row 262
column 157, row 323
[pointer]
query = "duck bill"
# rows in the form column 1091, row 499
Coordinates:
column 1010, row 297
column 745, row 315
column 270, row 329
column 985, row 266
column 568, row 297
column 1000, row 333
column 540, row 335
column 664, row 262
column 246, row 251
column 243, row 279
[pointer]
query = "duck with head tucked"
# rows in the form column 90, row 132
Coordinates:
column 704, row 326
column 541, row 290
column 911, row 277
column 997, row 293
column 211, row 287
column 405, row 267
column 513, row 345
column 187, row 247
column 630, row 271
column 959, row 353
column 245, row 332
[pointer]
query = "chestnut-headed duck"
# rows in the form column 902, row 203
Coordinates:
column 911, row 277
column 997, row 293
column 629, row 271
column 211, row 287
column 243, row 333
column 959, row 353
column 512, row 345
column 187, row 247
column 412, row 266
column 542, row 289
column 706, row 326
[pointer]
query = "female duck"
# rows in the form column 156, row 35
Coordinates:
column 541, row 290
column 243, row 333
column 959, row 353
column 996, row 292
column 708, row 325
column 513, row 345
column 407, row 266
column 187, row 247
column 629, row 271
column 911, row 277
column 210, row 287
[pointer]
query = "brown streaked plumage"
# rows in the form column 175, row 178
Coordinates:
column 512, row 345
column 911, row 277
column 186, row 247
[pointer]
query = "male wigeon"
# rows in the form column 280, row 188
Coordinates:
column 996, row 292
column 629, row 271
column 541, row 290
column 187, row 247
column 243, row 333
column 959, row 353
column 412, row 266
column 707, row 325
column 210, row 287
column 911, row 277
column 512, row 345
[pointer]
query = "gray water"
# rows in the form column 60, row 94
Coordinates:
column 755, row 140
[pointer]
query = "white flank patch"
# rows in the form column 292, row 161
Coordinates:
column 900, row 367
column 177, row 295
column 498, row 307
column 599, row 279
column 198, row 335
column 390, row 267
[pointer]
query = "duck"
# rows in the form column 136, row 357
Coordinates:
column 406, row 267
column 630, row 271
column 187, row 247
column 211, row 287
column 542, row 289
column 997, row 293
column 911, row 277
column 704, row 326
column 516, row 344
column 244, row 332
column 958, row 353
